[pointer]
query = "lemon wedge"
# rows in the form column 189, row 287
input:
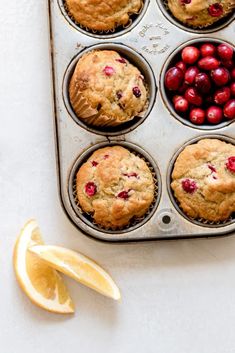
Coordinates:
column 78, row 267
column 41, row 283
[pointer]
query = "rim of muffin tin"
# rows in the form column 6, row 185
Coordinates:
column 218, row 25
column 136, row 59
column 118, row 31
column 197, row 221
column 170, row 60
column 86, row 218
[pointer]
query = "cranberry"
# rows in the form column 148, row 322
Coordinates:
column 229, row 109
column 233, row 74
column 202, row 83
column 214, row 114
column 181, row 105
column 123, row 195
column 189, row 186
column 192, row 96
column 190, row 75
column 94, row 163
column 136, row 91
column 197, row 116
column 109, row 70
column 225, row 51
column 222, row 95
column 190, row 54
column 174, row 78
column 207, row 49
column 181, row 65
column 212, row 168
column 220, row 76
column 185, row 2
column 175, row 98
column 215, row 10
column 119, row 94
column 90, row 188
column 121, row 60
column 229, row 64
column 232, row 88
column 129, row 175
column 208, row 63
column 230, row 164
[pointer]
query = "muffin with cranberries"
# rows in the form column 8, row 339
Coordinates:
column 203, row 180
column 99, row 15
column 114, row 186
column 106, row 89
column 200, row 13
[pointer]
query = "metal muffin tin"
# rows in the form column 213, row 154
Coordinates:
column 148, row 42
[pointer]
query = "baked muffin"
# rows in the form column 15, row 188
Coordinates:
column 204, row 180
column 114, row 185
column 103, row 15
column 107, row 90
column 200, row 13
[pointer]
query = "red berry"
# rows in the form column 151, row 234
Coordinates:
column 173, row 78
column 208, row 63
column 181, row 105
column 229, row 64
column 229, row 109
column 225, row 51
column 90, row 188
column 207, row 49
column 202, row 83
column 233, row 74
column 119, row 94
column 215, row 10
column 136, row 91
column 222, row 95
column 220, row 76
column 230, row 164
column 121, row 60
column 109, row 70
column 94, row 163
column 190, row 75
column 189, row 185
column 123, row 195
column 232, row 88
column 190, row 54
column 129, row 175
column 181, row 65
column 175, row 98
column 192, row 96
column 197, row 116
column 214, row 114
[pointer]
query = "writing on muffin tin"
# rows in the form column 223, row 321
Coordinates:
column 155, row 46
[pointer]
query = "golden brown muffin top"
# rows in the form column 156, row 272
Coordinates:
column 103, row 15
column 204, row 180
column 115, row 185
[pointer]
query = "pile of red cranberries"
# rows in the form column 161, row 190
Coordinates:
column 201, row 85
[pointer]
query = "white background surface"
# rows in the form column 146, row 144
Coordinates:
column 178, row 296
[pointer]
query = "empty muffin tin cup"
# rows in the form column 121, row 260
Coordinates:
column 86, row 218
column 218, row 25
column 134, row 19
column 136, row 59
column 197, row 221
column 173, row 58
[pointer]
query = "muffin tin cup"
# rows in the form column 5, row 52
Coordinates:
column 137, row 60
column 170, row 62
column 157, row 138
column 134, row 19
column 134, row 223
column 197, row 221
column 220, row 24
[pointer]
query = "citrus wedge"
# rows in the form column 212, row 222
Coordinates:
column 42, row 284
column 79, row 267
